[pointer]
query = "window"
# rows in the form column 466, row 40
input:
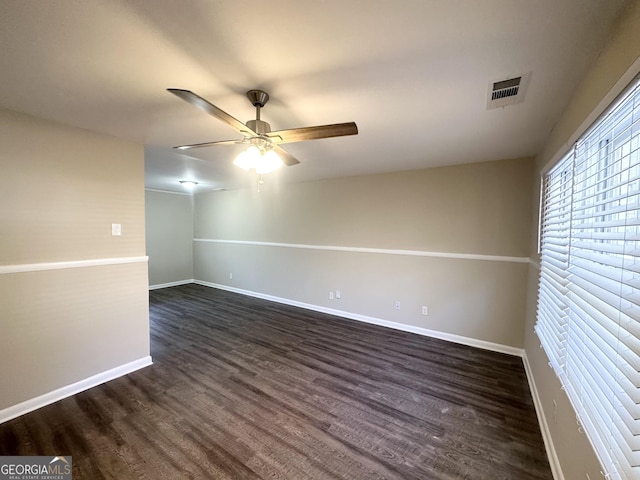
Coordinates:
column 588, row 318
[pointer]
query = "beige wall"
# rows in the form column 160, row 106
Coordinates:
column 481, row 208
column 169, row 237
column 61, row 191
column 61, row 322
column 274, row 243
column 575, row 455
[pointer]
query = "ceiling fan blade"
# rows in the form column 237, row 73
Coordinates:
column 211, row 109
column 208, row 144
column 313, row 133
column 288, row 159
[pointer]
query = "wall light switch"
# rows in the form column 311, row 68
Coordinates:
column 116, row 229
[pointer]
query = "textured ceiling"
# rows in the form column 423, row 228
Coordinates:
column 413, row 74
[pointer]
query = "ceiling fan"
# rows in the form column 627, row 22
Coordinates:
column 257, row 133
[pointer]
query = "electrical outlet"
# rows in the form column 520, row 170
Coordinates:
column 330, row 295
column 425, row 310
column 116, row 229
column 230, row 276
column 338, row 294
column 397, row 305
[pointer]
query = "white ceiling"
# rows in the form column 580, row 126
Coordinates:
column 413, row 74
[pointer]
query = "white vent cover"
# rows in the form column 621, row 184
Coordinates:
column 508, row 91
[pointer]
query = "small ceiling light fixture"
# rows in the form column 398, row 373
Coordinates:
column 188, row 184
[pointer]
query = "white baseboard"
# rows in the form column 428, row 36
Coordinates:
column 171, row 284
column 496, row 347
column 64, row 392
column 554, row 462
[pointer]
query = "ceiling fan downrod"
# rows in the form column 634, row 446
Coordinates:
column 258, row 99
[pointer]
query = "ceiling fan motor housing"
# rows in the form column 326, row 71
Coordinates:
column 259, row 126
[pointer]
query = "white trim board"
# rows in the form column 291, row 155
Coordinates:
column 472, row 342
column 77, row 387
column 554, row 461
column 384, row 251
column 171, row 284
column 95, row 262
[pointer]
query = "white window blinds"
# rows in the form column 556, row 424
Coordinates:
column 552, row 296
column 589, row 291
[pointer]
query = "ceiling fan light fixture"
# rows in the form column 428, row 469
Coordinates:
column 259, row 160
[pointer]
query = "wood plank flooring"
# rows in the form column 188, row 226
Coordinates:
column 243, row 388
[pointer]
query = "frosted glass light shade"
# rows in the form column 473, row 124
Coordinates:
column 252, row 159
column 269, row 162
column 248, row 158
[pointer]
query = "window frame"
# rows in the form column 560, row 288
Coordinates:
column 588, row 280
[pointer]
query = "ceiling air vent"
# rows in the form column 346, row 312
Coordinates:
column 508, row 91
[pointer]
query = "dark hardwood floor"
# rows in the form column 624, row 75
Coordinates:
column 242, row 388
